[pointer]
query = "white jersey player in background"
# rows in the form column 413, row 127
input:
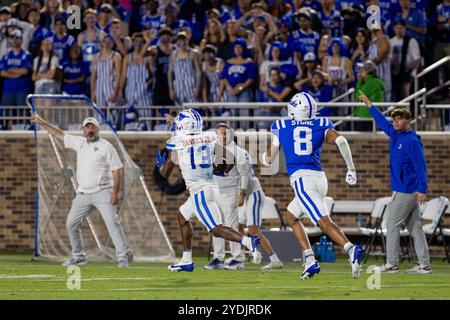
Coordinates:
column 302, row 137
column 193, row 150
column 253, row 196
column 229, row 185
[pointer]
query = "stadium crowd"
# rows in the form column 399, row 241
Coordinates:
column 136, row 54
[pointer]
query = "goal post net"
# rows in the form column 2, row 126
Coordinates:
column 57, row 183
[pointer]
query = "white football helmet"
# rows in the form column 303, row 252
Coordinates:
column 302, row 106
column 188, row 122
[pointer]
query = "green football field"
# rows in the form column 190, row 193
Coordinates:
column 22, row 279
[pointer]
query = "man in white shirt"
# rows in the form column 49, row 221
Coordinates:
column 229, row 186
column 99, row 171
column 405, row 60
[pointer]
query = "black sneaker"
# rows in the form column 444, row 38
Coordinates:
column 75, row 261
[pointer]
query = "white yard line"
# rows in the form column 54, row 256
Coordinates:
column 221, row 287
column 26, row 276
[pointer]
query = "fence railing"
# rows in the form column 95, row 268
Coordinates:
column 417, row 77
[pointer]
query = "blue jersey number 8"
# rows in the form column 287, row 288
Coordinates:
column 205, row 153
column 303, row 141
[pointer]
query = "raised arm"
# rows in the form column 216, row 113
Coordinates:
column 333, row 137
column 53, row 130
column 379, row 118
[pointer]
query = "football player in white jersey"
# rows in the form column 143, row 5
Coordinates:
column 302, row 137
column 253, row 196
column 194, row 149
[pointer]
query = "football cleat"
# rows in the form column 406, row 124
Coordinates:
column 356, row 253
column 310, row 269
column 273, row 265
column 182, row 266
column 255, row 250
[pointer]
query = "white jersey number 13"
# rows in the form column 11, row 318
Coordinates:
column 303, row 141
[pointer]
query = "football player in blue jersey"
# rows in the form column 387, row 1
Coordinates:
column 302, row 137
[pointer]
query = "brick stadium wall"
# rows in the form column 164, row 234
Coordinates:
column 18, row 181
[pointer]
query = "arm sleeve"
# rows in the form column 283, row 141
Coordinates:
column 415, row 151
column 113, row 159
column 381, row 121
column 275, row 129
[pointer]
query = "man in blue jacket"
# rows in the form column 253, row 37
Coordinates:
column 408, row 182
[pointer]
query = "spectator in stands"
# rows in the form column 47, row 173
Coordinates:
column 232, row 32
column 212, row 69
column 308, row 67
column 213, row 86
column 415, row 21
column 275, row 57
column 305, row 34
column 15, row 69
column 239, row 74
column 21, row 9
column 106, row 78
column 373, row 87
column 38, row 32
column 405, row 60
column 185, row 72
column 379, row 49
column 90, row 39
column 75, row 72
column 150, row 17
column 51, row 10
column 359, row 49
column 62, row 42
column 137, row 78
column 298, row 50
column 328, row 36
column 45, row 67
column 213, row 35
column 320, row 91
column 327, row 12
column 104, row 17
column 279, row 8
column 161, row 53
column 122, row 45
column 9, row 24
column 275, row 89
column 338, row 67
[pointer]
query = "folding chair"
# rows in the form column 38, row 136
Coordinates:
column 375, row 227
column 435, row 211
